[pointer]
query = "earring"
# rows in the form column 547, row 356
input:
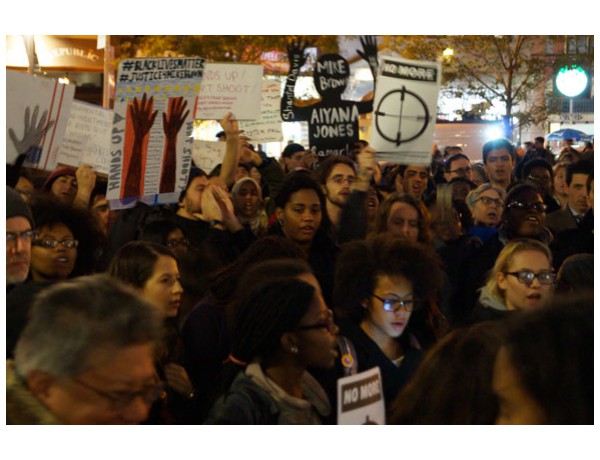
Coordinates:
column 280, row 222
column 364, row 305
column 294, row 349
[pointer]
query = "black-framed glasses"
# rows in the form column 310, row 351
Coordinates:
column 121, row 399
column 461, row 171
column 178, row 242
column 328, row 324
column 537, row 206
column 395, row 304
column 26, row 236
column 50, row 243
column 487, row 201
column 527, row 277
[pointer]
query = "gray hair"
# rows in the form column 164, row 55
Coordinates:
column 474, row 195
column 72, row 320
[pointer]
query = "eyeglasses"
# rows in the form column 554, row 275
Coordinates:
column 537, row 206
column 329, row 324
column 462, row 171
column 48, row 243
column 121, row 399
column 487, row 201
column 178, row 242
column 12, row 237
column 527, row 277
column 393, row 305
column 341, row 179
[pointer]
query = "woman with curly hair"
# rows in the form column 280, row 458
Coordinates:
column 403, row 216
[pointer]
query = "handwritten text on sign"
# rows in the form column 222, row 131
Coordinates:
column 230, row 88
column 268, row 127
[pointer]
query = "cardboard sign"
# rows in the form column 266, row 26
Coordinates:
column 360, row 399
column 268, row 126
column 37, row 113
column 405, row 110
column 87, row 139
column 152, row 132
column 208, row 154
column 233, row 88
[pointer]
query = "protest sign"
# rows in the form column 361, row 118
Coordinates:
column 37, row 112
column 268, row 126
column 405, row 110
column 208, row 154
column 152, row 132
column 87, row 139
column 360, row 399
column 233, row 88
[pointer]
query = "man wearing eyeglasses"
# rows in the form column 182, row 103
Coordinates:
column 458, row 165
column 19, row 233
column 85, row 357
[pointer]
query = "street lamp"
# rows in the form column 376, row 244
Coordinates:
column 571, row 81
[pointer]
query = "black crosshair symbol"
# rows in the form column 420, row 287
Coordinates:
column 404, row 94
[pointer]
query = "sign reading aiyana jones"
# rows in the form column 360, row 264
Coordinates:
column 405, row 110
column 360, row 399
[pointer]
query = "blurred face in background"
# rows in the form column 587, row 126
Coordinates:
column 403, row 221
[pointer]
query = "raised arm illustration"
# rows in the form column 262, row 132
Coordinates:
column 142, row 118
column 297, row 58
column 172, row 123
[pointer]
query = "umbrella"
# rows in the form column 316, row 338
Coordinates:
column 563, row 134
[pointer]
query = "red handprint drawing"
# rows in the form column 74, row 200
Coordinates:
column 172, row 122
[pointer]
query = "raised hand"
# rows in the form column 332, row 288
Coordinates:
column 33, row 131
column 230, row 126
column 142, row 116
column 173, row 122
column 296, row 53
column 369, row 52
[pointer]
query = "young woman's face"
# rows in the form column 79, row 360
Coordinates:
column 520, row 296
column 487, row 210
column 177, row 242
column 163, row 289
column 247, row 200
column 560, row 182
column 301, row 216
column 389, row 323
column 49, row 263
column 317, row 346
column 403, row 222
column 526, row 222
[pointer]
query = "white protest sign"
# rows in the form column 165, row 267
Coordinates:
column 360, row 399
column 87, row 139
column 208, row 154
column 233, row 88
column 152, row 132
column 268, row 127
column 37, row 112
column 404, row 110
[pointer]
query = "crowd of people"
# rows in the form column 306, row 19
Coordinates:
column 469, row 285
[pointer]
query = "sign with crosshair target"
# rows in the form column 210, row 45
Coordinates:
column 405, row 109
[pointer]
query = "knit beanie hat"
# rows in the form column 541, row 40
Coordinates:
column 16, row 206
column 60, row 171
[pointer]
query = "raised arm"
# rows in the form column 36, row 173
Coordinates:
column 297, row 58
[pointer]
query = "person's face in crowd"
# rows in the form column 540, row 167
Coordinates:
column 389, row 321
column 528, row 218
column 294, row 161
column 487, row 209
column 460, row 167
column 177, row 242
column 25, row 187
column 64, row 188
column 538, row 144
column 449, row 229
column 403, row 221
column 337, row 186
column 192, row 200
column 240, row 173
column 516, row 405
column 499, row 165
column 118, row 388
column 540, row 177
column 18, row 249
column 372, row 204
column 460, row 190
column 591, row 196
column 578, row 195
column 415, row 180
column 301, row 216
column 519, row 295
column 316, row 339
column 101, row 211
column 163, row 289
column 560, row 181
column 477, row 177
column 247, row 201
column 48, row 263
